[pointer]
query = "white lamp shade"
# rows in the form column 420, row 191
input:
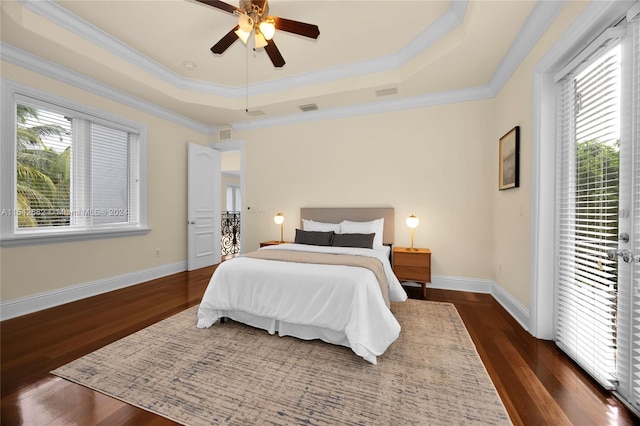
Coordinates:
column 242, row 35
column 259, row 40
column 412, row 221
column 245, row 23
column 268, row 29
column 279, row 219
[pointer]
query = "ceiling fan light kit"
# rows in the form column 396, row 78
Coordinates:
column 242, row 35
column 268, row 28
column 245, row 23
column 253, row 18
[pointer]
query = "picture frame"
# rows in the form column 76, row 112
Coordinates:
column 509, row 160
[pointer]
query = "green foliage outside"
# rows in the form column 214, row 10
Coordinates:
column 597, row 204
column 598, row 173
column 43, row 175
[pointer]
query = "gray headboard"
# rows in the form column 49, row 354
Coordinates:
column 356, row 214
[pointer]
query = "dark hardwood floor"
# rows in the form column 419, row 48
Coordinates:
column 537, row 383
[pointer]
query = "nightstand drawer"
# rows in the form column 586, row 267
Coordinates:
column 412, row 273
column 413, row 264
column 410, row 258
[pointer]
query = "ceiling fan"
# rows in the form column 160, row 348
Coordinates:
column 253, row 17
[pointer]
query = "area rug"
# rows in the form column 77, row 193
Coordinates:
column 237, row 375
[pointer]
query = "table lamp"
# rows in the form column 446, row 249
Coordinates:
column 412, row 222
column 279, row 219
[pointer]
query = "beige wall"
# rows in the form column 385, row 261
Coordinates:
column 431, row 162
column 439, row 163
column 512, row 208
column 35, row 269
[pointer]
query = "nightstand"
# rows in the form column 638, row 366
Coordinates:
column 413, row 265
column 272, row 243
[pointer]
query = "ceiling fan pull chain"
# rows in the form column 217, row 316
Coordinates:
column 246, row 104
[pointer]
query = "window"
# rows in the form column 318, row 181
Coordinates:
column 233, row 198
column 70, row 172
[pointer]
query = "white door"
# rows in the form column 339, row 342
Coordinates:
column 203, row 212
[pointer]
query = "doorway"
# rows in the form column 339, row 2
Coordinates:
column 231, row 214
column 232, row 193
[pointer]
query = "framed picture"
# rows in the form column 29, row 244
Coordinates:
column 509, row 160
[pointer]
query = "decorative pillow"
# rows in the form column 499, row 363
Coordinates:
column 375, row 226
column 312, row 225
column 315, row 238
column 353, row 240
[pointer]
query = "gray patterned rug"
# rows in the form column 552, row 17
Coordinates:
column 234, row 374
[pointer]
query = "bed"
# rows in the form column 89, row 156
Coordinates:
column 311, row 290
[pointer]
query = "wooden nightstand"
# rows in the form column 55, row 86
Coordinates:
column 272, row 243
column 413, row 265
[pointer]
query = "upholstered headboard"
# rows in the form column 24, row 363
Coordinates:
column 355, row 214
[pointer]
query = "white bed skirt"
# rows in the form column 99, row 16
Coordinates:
column 301, row 331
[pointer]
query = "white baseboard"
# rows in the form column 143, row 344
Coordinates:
column 511, row 305
column 26, row 305
column 475, row 285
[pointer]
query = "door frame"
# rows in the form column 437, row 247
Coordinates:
column 543, row 159
column 236, row 145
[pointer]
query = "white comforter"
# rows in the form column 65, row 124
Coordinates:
column 343, row 300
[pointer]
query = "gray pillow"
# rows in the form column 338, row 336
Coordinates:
column 353, row 240
column 316, row 238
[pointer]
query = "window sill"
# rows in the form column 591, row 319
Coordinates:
column 53, row 238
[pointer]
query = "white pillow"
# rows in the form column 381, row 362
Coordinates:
column 311, row 225
column 374, row 226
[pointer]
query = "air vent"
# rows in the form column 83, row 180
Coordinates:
column 387, row 92
column 308, row 107
column 255, row 113
column 224, row 134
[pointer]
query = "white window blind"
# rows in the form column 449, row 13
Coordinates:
column 73, row 171
column 636, row 209
column 587, row 200
column 42, row 167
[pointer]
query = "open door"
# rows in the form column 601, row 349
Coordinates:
column 203, row 212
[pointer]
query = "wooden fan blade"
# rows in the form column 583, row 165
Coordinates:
column 296, row 27
column 219, row 5
column 274, row 54
column 225, row 42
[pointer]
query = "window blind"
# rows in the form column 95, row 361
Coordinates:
column 587, row 200
column 43, row 161
column 636, row 209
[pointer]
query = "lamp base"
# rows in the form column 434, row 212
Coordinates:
column 411, row 249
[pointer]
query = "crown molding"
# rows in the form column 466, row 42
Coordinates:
column 37, row 64
column 543, row 14
column 431, row 99
column 540, row 18
column 62, row 17
column 536, row 24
